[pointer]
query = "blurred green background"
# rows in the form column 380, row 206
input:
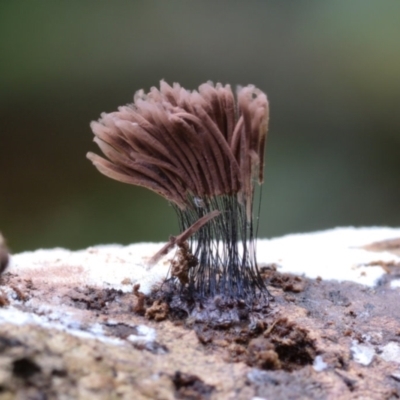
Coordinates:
column 331, row 70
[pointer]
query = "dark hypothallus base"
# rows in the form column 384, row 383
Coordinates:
column 248, row 331
column 219, row 312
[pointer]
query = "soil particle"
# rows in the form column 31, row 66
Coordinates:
column 120, row 330
column 3, row 299
column 262, row 354
column 88, row 298
column 288, row 282
column 292, row 343
column 191, row 387
column 157, row 311
column 139, row 307
column 25, row 368
column 20, row 294
column 283, row 345
column 184, row 261
column 148, row 306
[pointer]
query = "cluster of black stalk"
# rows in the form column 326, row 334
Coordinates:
column 203, row 151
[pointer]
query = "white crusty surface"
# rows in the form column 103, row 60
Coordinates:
column 337, row 254
column 332, row 254
column 109, row 266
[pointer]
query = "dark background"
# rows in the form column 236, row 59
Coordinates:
column 331, row 70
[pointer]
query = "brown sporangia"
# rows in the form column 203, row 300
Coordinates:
column 203, row 151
